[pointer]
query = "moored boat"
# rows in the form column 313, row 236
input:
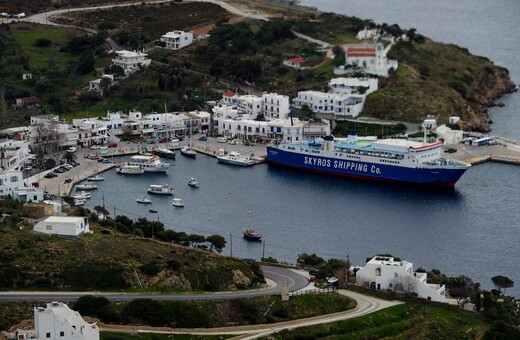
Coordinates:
column 177, row 202
column 393, row 160
column 192, row 182
column 126, row 169
column 164, row 153
column 86, row 186
column 158, row 189
column 96, row 178
column 149, row 163
column 152, row 210
column 251, row 235
column 144, row 200
column 82, row 195
column 187, row 151
column 234, row 158
column 79, row 202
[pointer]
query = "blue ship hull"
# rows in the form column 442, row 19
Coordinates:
column 438, row 176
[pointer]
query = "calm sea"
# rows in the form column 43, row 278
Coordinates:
column 473, row 230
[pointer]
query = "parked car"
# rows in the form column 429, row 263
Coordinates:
column 221, row 139
column 163, row 140
column 68, row 180
column 72, row 149
column 112, row 145
column 248, row 143
column 233, row 142
column 203, row 138
column 95, row 147
column 450, row 150
column 50, row 175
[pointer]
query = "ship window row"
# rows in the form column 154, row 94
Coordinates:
column 389, row 161
column 348, row 156
column 371, row 153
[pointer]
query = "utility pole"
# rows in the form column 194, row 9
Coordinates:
column 231, row 243
column 115, row 224
column 263, row 249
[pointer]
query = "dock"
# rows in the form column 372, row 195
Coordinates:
column 500, row 153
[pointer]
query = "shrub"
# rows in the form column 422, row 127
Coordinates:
column 42, row 42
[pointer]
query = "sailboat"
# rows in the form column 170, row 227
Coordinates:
column 186, row 150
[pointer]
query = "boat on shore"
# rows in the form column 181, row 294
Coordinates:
column 126, row 169
column 149, row 163
column 160, row 189
column 177, row 202
column 192, row 182
column 391, row 160
column 86, row 186
column 234, row 158
column 96, row 178
column 251, row 235
column 164, row 153
column 144, row 200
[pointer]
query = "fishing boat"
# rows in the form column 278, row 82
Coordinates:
column 177, row 202
column 149, row 163
column 96, row 178
column 86, row 186
column 192, row 182
column 158, row 189
column 234, row 158
column 152, row 210
column 391, row 160
column 164, row 153
column 144, row 200
column 127, row 169
column 251, row 235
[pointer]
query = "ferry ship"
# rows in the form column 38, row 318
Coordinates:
column 393, row 160
column 149, row 163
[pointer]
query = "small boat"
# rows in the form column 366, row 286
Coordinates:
column 192, row 182
column 188, row 151
column 149, row 163
column 251, row 235
column 164, row 153
column 79, row 202
column 96, row 178
column 160, row 189
column 152, row 210
column 86, row 186
column 234, row 158
column 82, row 195
column 126, row 169
column 177, row 202
column 144, row 200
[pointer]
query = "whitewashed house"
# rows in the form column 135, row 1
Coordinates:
column 95, row 85
column 353, row 86
column 448, row 135
column 275, row 106
column 13, row 154
column 47, row 132
column 429, row 123
column 370, row 59
column 90, row 132
column 385, row 272
column 65, row 226
column 29, row 194
column 296, row 63
column 338, row 104
column 175, row 40
column 270, row 105
column 131, row 61
column 57, row 321
column 10, row 181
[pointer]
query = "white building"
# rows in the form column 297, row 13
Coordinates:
column 338, row 104
column 57, row 321
column 296, row 63
column 66, row 226
column 454, row 120
column 10, row 181
column 385, row 272
column 26, row 195
column 448, row 135
column 176, row 40
column 131, row 61
column 47, row 132
column 353, row 86
column 95, row 85
column 270, row 105
column 429, row 123
column 370, row 59
column 13, row 154
column 275, row 106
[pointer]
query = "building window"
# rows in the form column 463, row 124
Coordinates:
column 48, row 335
column 14, row 179
column 396, row 274
column 62, row 333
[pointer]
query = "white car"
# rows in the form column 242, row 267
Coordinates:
column 72, row 149
column 232, row 142
column 94, row 147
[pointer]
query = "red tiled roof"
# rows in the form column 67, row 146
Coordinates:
column 30, row 100
column 360, row 54
column 296, row 60
column 229, row 94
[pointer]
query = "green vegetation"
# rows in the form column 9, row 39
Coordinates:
column 343, row 128
column 155, row 336
column 212, row 313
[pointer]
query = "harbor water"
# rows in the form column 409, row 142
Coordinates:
column 472, row 230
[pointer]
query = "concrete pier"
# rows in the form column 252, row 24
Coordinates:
column 486, row 153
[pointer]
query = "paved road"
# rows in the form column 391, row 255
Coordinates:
column 281, row 277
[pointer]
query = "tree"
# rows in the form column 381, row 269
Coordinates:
column 502, row 282
column 460, row 287
column 216, row 242
column 339, row 56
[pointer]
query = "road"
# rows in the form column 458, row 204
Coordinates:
column 281, row 277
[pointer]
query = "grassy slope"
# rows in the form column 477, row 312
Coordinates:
column 110, row 261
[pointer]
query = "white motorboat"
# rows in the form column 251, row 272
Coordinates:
column 82, row 195
column 86, row 186
column 149, row 163
column 144, row 200
column 192, row 182
column 78, row 202
column 177, row 202
column 96, row 178
column 160, row 189
column 234, row 158
column 126, row 169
